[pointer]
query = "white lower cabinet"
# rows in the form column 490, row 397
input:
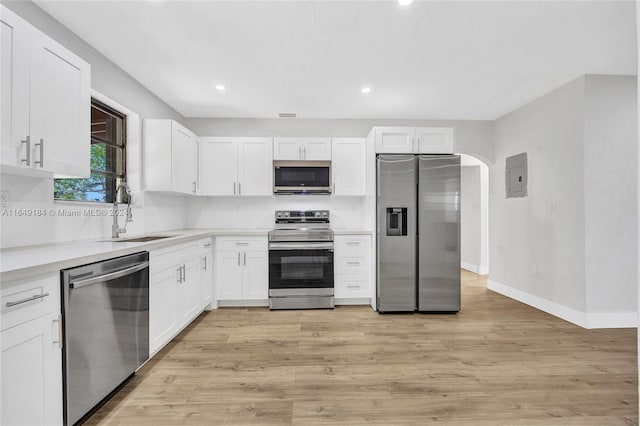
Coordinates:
column 31, row 352
column 176, row 294
column 352, row 266
column 242, row 269
column 205, row 249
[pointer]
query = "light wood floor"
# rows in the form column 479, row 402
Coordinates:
column 497, row 362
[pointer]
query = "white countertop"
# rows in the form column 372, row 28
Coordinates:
column 18, row 262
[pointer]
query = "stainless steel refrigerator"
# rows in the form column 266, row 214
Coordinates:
column 418, row 233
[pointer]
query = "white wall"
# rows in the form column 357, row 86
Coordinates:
column 540, row 245
column 152, row 212
column 610, row 193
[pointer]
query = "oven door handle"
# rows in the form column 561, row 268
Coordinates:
column 300, row 246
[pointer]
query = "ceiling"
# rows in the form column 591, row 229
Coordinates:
column 431, row 60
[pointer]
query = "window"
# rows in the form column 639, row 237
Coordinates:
column 108, row 134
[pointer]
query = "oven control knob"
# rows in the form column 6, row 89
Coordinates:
column 279, row 214
column 317, row 214
column 324, row 214
column 286, row 214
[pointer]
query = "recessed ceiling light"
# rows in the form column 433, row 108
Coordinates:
column 366, row 90
column 220, row 87
column 405, row 2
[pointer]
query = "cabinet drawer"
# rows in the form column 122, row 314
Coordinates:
column 351, row 265
column 242, row 244
column 29, row 298
column 170, row 256
column 205, row 244
column 358, row 245
column 347, row 286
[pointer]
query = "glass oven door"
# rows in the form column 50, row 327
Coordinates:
column 298, row 266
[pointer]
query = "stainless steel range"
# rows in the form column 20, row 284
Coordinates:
column 301, row 260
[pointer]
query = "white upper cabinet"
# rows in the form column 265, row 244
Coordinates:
column 434, row 140
column 348, row 166
column 170, row 157
column 301, row 148
column 46, row 101
column 287, row 148
column 218, row 166
column 394, row 139
column 236, row 166
column 414, row 140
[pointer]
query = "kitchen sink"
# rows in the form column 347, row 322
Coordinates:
column 142, row 239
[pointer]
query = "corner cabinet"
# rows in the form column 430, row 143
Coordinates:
column 176, row 290
column 348, row 166
column 46, row 103
column 285, row 148
column 414, row 140
column 31, row 340
column 170, row 157
column 242, row 270
column 236, row 166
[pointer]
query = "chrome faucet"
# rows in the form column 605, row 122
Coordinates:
column 115, row 228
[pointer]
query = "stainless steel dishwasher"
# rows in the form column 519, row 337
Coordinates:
column 106, row 329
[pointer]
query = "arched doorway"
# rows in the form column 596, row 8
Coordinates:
column 474, row 220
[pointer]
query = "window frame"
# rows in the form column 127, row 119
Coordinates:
column 113, row 172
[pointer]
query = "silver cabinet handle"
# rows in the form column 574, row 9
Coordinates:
column 41, row 145
column 207, row 245
column 194, row 186
column 179, row 274
column 113, row 275
column 205, row 263
column 238, row 258
column 184, row 273
column 28, row 153
column 234, row 188
column 245, row 259
column 239, row 188
column 28, row 299
column 353, row 263
column 353, row 286
column 242, row 244
column 59, row 341
column 353, row 243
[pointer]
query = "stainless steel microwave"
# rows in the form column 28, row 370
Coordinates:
column 301, row 177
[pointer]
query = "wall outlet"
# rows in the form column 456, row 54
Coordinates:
column 534, row 270
column 5, row 197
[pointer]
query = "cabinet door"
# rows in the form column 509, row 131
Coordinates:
column 255, row 166
column 32, row 373
column 14, row 70
column 184, row 160
column 219, row 172
column 395, row 140
column 228, row 275
column 190, row 292
column 287, row 148
column 207, row 278
column 255, row 275
column 348, row 166
column 60, row 109
column 316, row 149
column 162, row 307
column 434, row 140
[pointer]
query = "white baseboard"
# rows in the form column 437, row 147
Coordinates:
column 476, row 269
column 585, row 320
column 469, row 267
